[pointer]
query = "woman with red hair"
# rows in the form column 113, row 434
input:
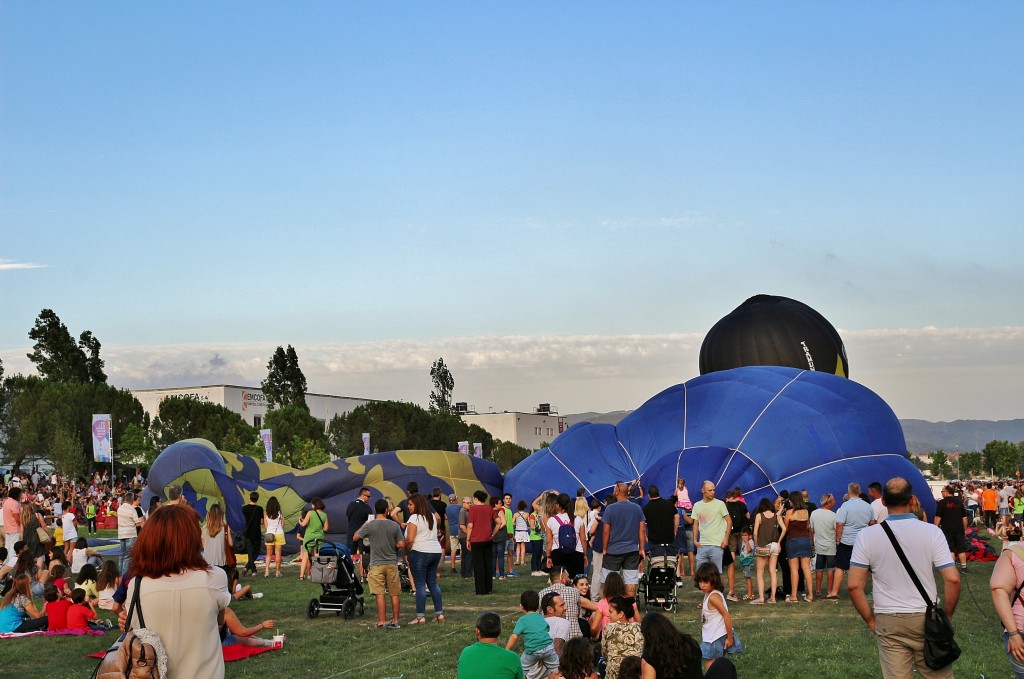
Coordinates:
column 181, row 596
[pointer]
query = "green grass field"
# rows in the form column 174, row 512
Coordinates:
column 826, row 639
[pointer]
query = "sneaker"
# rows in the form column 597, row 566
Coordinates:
column 257, row 595
column 511, row 574
column 679, row 582
column 393, row 625
column 538, row 574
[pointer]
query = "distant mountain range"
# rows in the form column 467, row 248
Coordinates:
column 922, row 436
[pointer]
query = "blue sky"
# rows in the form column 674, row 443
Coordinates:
column 561, row 199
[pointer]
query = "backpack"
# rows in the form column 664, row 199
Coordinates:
column 138, row 654
column 566, row 536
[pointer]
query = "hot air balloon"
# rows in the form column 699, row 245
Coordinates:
column 208, row 475
column 770, row 330
column 763, row 429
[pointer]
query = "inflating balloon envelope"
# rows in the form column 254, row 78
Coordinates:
column 763, row 429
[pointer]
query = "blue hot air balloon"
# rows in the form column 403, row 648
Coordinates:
column 761, row 428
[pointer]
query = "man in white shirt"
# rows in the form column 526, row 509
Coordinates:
column 823, row 526
column 128, row 524
column 877, row 506
column 553, row 606
column 899, row 607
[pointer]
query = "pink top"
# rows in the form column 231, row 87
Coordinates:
column 12, row 515
column 1018, row 605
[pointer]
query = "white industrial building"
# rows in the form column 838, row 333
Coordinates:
column 249, row 402
column 528, row 430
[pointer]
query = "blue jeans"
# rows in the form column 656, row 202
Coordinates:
column 424, row 571
column 709, row 554
column 536, row 554
column 125, row 561
column 499, row 558
column 1017, row 667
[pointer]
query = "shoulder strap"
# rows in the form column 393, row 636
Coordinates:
column 136, row 605
column 906, row 563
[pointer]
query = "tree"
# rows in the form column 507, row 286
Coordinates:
column 506, row 455
column 285, row 383
column 137, row 446
column 940, row 467
column 187, row 418
column 396, row 425
column 292, row 428
column 38, row 407
column 444, row 383
column 57, row 356
column 1002, row 457
column 970, row 464
column 66, row 453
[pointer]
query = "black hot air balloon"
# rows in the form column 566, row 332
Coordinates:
column 770, row 330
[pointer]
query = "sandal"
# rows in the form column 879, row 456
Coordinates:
column 418, row 620
column 380, row 625
column 439, row 617
column 772, row 601
column 757, row 602
column 279, row 574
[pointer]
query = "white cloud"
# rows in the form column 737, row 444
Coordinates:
column 927, row 373
column 11, row 265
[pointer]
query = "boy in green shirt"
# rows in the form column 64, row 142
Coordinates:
column 486, row 659
column 538, row 647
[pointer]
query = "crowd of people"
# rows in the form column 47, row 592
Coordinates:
column 581, row 620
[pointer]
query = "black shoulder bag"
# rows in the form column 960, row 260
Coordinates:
column 940, row 648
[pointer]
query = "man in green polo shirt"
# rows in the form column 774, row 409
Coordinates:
column 486, row 659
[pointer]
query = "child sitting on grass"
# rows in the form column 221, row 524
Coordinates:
column 106, row 584
column 717, row 634
column 621, row 638
column 86, row 581
column 80, row 613
column 56, row 608
column 538, row 648
column 747, row 560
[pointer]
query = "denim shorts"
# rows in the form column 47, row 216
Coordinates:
column 824, row 562
column 716, row 649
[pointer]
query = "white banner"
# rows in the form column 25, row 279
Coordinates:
column 268, row 443
column 102, row 448
column 366, row 443
column 478, row 450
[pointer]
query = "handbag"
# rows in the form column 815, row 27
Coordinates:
column 43, row 535
column 763, row 552
column 940, row 648
column 269, row 539
column 138, row 653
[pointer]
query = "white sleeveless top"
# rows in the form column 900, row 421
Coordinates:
column 712, row 624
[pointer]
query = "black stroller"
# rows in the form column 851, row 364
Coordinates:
column 658, row 583
column 333, row 570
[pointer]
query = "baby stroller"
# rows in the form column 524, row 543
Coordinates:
column 657, row 588
column 333, row 570
column 403, row 577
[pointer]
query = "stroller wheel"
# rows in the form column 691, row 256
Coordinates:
column 362, row 608
column 349, row 609
column 314, row 608
column 669, row 606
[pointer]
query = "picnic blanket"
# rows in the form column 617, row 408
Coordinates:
column 53, row 633
column 231, row 653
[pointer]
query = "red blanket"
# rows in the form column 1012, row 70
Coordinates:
column 231, row 653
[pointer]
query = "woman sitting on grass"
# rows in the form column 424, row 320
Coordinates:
column 620, row 637
column 577, row 660
column 82, row 555
column 614, row 587
column 18, row 613
column 668, row 653
column 234, row 632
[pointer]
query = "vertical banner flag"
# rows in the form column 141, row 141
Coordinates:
column 478, row 450
column 464, row 447
column 268, row 443
column 366, row 443
column 102, row 451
